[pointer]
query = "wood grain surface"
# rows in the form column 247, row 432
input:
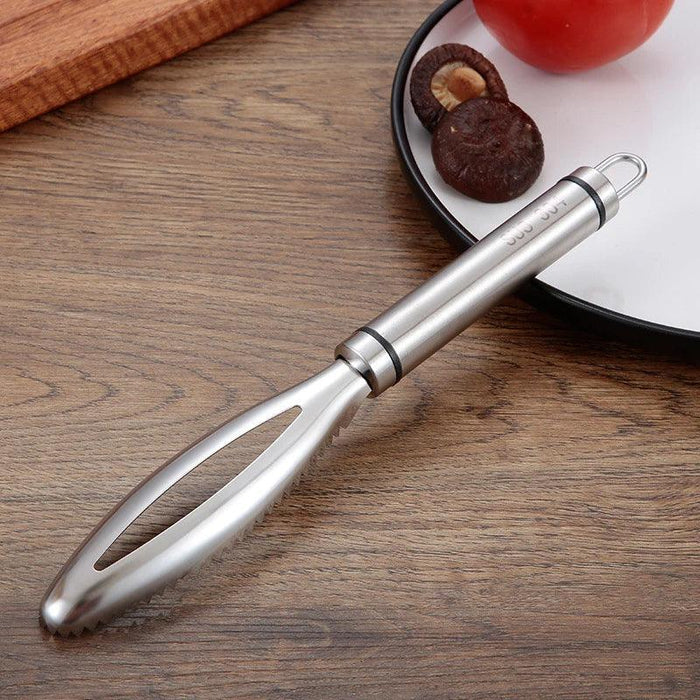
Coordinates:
column 519, row 518
column 52, row 51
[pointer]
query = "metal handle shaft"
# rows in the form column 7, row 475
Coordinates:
column 423, row 321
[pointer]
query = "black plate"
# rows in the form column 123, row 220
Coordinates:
column 538, row 293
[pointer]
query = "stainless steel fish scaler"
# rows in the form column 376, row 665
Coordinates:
column 370, row 361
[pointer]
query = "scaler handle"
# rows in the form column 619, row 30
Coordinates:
column 418, row 325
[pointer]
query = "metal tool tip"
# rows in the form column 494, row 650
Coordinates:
column 55, row 612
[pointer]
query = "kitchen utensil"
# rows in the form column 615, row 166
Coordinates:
column 370, row 361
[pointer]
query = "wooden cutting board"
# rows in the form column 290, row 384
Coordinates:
column 53, row 51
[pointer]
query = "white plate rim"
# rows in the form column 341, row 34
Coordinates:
column 537, row 292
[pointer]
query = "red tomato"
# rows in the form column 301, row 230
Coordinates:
column 570, row 35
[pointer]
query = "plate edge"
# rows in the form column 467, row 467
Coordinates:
column 540, row 294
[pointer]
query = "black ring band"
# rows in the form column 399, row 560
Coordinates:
column 395, row 360
column 590, row 191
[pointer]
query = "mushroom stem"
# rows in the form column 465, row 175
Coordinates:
column 465, row 83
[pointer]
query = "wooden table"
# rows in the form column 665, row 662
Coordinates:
column 519, row 518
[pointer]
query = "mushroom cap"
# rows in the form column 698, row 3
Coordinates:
column 490, row 150
column 425, row 103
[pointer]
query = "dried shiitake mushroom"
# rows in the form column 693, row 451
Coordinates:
column 488, row 149
column 449, row 75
